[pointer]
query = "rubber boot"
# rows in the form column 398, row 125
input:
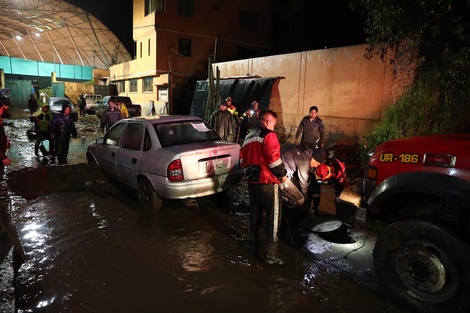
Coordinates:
column 316, row 211
column 36, row 148
column 272, row 256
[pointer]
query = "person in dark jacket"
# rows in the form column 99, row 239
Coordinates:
column 264, row 171
column 32, row 104
column 299, row 162
column 82, row 105
column 61, row 129
column 223, row 122
column 312, row 130
column 110, row 116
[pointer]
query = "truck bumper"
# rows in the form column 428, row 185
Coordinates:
column 349, row 209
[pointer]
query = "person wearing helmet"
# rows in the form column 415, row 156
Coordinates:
column 231, row 107
column 332, row 171
column 248, row 120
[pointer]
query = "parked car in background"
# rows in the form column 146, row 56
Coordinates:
column 133, row 109
column 167, row 157
column 56, row 103
column 92, row 101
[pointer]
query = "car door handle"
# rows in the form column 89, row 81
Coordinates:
column 134, row 161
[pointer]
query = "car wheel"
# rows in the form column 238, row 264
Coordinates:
column 424, row 264
column 148, row 198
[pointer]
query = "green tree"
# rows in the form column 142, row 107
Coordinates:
column 439, row 32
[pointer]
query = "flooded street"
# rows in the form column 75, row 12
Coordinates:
column 89, row 247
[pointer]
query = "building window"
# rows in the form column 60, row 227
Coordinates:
column 149, row 48
column 184, row 47
column 246, row 53
column 140, row 49
column 154, row 5
column 121, row 86
column 186, row 8
column 147, row 84
column 133, row 85
column 248, row 20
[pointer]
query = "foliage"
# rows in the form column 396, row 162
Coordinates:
column 423, row 109
column 439, row 30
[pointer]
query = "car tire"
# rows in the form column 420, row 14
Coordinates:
column 424, row 264
column 147, row 196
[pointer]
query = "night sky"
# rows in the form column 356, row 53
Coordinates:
column 115, row 14
column 318, row 24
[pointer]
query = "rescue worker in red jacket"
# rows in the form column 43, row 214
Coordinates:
column 332, row 171
column 264, row 172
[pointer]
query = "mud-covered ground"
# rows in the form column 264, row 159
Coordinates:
column 89, row 247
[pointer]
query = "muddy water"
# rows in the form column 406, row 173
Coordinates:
column 90, row 248
column 89, row 253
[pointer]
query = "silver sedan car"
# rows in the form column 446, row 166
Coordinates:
column 167, row 157
column 56, row 103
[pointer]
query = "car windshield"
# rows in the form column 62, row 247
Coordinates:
column 184, row 132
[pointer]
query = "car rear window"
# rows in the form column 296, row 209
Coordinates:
column 181, row 133
column 61, row 102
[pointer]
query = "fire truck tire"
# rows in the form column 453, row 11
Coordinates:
column 424, row 264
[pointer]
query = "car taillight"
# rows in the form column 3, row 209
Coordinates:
column 240, row 157
column 446, row 160
column 175, row 171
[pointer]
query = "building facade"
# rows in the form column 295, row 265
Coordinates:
column 174, row 41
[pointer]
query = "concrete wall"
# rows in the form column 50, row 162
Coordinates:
column 350, row 91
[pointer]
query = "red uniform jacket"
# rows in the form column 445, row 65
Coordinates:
column 262, row 157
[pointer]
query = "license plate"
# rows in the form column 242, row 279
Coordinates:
column 214, row 165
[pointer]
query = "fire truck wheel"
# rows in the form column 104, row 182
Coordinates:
column 424, row 264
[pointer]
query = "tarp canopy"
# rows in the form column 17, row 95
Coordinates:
column 36, row 68
column 56, row 32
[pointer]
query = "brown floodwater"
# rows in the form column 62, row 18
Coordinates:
column 89, row 247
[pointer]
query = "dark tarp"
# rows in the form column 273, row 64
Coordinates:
column 243, row 91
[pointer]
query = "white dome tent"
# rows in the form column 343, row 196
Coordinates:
column 57, row 32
